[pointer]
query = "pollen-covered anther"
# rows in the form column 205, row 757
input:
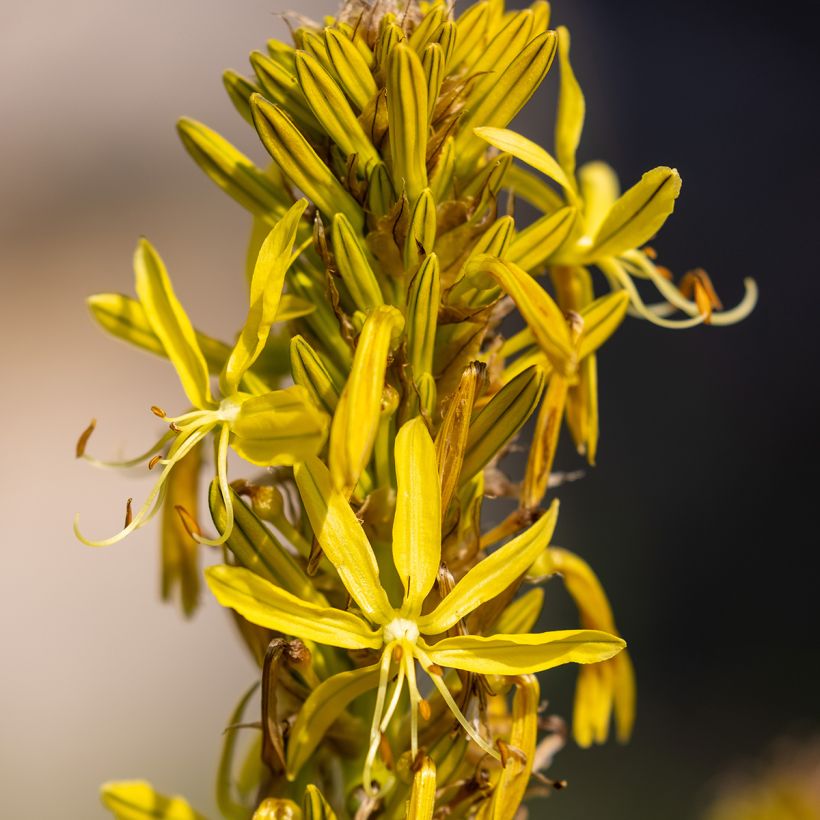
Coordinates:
column 158, row 411
column 188, row 521
column 424, row 709
column 650, row 252
column 154, row 461
column 82, row 441
column 129, row 513
column 698, row 285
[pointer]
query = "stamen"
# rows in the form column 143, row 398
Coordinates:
column 188, row 521
column 131, row 462
column 394, row 700
column 650, row 252
column 224, row 489
column 82, row 441
column 154, row 461
column 158, row 411
column 424, row 708
column 129, row 513
column 375, row 734
column 415, row 698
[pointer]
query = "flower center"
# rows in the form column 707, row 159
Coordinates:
column 228, row 409
column 400, row 629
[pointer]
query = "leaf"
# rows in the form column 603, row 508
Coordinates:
column 263, row 603
column 332, row 110
column 171, row 325
column 407, row 119
column 265, row 293
column 351, row 69
column 354, row 267
column 356, row 421
column 639, row 214
column 300, row 163
column 137, row 800
column 417, row 522
column 524, row 654
column 507, row 97
column 255, row 548
column 231, row 170
column 280, row 427
column 528, row 152
column 342, row 539
column 501, row 418
column 601, row 320
column 492, row 575
column 423, row 300
column 571, row 109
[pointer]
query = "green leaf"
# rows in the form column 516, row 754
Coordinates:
column 324, row 705
column 639, row 214
column 342, row 539
column 171, row 325
column 417, row 522
column 137, row 800
column 267, row 605
column 492, row 575
column 265, row 293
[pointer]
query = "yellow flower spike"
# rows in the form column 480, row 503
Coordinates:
column 506, row 98
column 423, row 299
column 331, row 109
column 300, row 163
column 407, row 118
column 421, row 233
column 571, row 109
column 310, row 372
column 137, row 800
column 399, row 634
column 356, row 421
column 350, row 68
column 598, row 692
column 533, row 246
column 512, row 784
column 232, row 171
column 422, row 801
column 314, row 805
column 501, row 418
column 180, row 552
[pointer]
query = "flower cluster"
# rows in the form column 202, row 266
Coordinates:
column 396, row 641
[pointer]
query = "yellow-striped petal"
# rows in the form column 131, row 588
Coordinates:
column 601, row 320
column 354, row 266
column 533, row 246
column 423, row 299
column 351, row 69
column 422, row 802
column 137, row 800
column 571, row 109
column 314, row 805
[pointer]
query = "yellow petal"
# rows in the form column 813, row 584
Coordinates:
column 343, row 540
column 301, row 164
column 599, row 188
column 280, row 427
column 137, row 800
column 533, row 246
column 277, row 808
column 351, row 69
column 263, row 603
column 357, row 414
column 407, row 116
column 639, row 214
column 423, row 794
column 421, row 232
column 266, row 290
column 524, row 654
column 571, row 109
column 471, row 28
column 323, row 706
column 521, row 615
column 601, row 320
column 417, row 523
column 314, row 805
column 171, row 324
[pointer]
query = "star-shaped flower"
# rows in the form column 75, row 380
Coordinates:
column 404, row 634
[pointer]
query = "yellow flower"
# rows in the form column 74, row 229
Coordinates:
column 402, row 635
column 265, row 428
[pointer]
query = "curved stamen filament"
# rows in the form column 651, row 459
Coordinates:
column 375, row 732
column 181, row 448
column 453, row 706
column 131, row 462
column 394, row 700
column 185, row 418
column 224, row 489
column 410, row 663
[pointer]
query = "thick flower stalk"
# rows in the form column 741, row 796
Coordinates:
column 397, row 647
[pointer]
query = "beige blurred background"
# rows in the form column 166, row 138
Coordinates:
column 97, row 679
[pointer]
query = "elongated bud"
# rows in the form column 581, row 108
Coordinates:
column 309, row 370
column 407, row 116
column 356, row 421
column 432, row 61
column 240, row 89
column 502, row 417
column 422, row 311
column 423, row 794
column 351, row 69
column 354, row 267
column 421, row 233
column 314, row 805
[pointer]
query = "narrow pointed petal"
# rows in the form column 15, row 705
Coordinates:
column 521, row 615
column 171, row 324
column 492, row 575
column 533, row 246
column 240, row 89
column 524, row 654
column 601, row 320
column 280, row 427
column 351, row 69
column 599, row 189
column 266, row 291
column 314, row 805
column 639, row 214
column 343, row 540
column 263, row 603
column 423, row 301
column 137, row 800
column 325, row 704
column 417, row 523
column 571, row 109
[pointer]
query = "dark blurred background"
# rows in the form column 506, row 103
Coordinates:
column 698, row 518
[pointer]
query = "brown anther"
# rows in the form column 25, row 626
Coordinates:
column 650, row 252
column 435, row 669
column 445, row 579
column 129, row 514
column 398, row 653
column 698, row 286
column 665, row 273
column 82, row 441
column 175, row 427
column 386, row 752
column 297, row 653
column 154, row 461
column 418, row 762
column 188, row 521
column 424, row 709
column 158, row 411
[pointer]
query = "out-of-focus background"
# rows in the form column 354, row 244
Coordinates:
column 700, row 518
